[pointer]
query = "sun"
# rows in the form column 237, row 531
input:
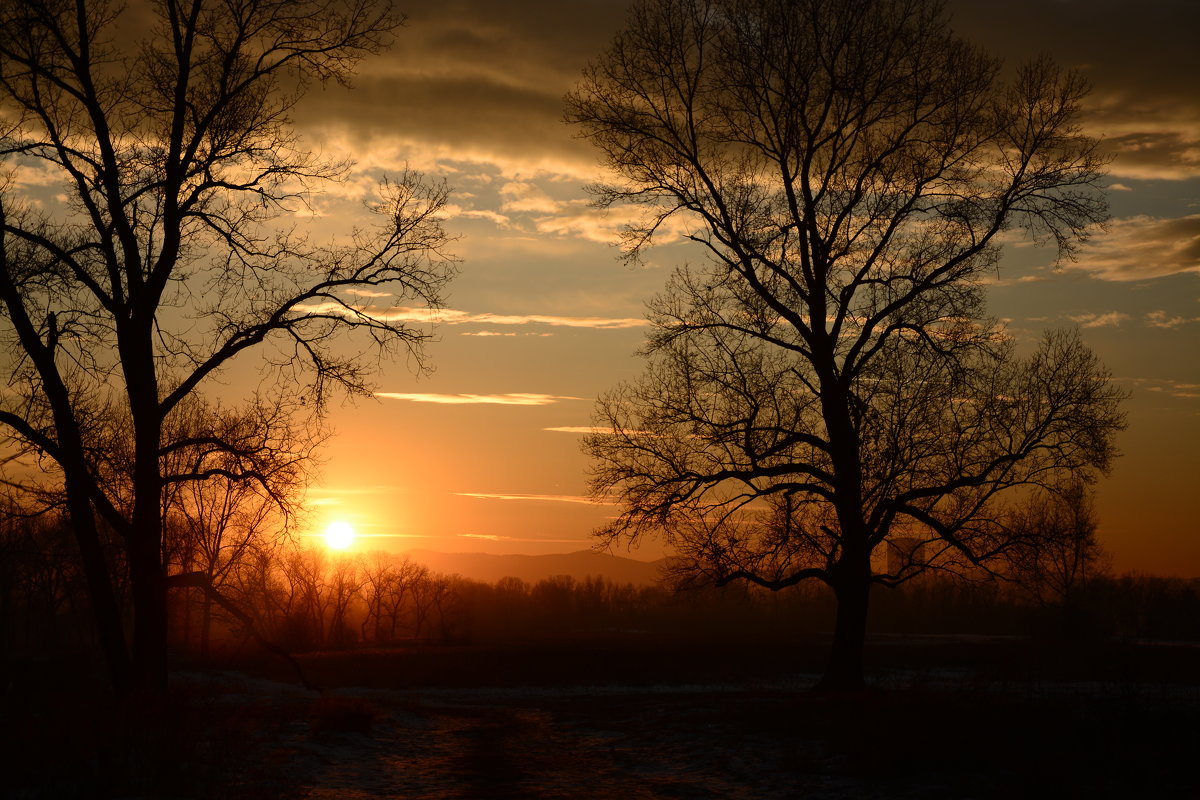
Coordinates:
column 339, row 535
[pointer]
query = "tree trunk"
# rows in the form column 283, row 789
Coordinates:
column 149, row 588
column 845, row 668
column 147, row 572
column 205, row 625
column 106, row 611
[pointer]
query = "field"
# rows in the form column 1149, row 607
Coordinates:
column 626, row 718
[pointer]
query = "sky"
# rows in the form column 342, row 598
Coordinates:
column 483, row 453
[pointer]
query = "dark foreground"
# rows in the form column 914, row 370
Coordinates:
column 945, row 718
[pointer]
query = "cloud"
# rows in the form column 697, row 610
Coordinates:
column 1136, row 248
column 515, row 399
column 368, row 293
column 35, row 174
column 1163, row 149
column 996, row 280
column 492, row 537
column 1187, row 391
column 484, row 81
column 553, row 498
column 473, row 77
column 604, row 225
column 450, row 316
column 1142, row 66
column 1161, row 319
column 1111, row 319
column 592, row 225
column 604, row 323
column 332, row 496
column 517, row 196
column 601, row 431
column 453, row 211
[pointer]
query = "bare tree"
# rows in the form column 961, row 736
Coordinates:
column 344, row 581
column 1057, row 551
column 829, row 381
column 230, row 481
column 389, row 582
column 174, row 253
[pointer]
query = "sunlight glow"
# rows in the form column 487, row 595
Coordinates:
column 339, row 535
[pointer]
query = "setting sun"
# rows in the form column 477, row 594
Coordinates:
column 339, row 535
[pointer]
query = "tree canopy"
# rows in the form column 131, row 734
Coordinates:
column 828, row 380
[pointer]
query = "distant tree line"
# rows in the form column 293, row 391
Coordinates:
column 308, row 599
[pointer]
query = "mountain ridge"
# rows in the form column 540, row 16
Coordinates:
column 491, row 567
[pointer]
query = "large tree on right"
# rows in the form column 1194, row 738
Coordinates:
column 825, row 397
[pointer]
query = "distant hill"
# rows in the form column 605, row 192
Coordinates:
column 489, row 567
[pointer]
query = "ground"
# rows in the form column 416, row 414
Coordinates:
column 954, row 718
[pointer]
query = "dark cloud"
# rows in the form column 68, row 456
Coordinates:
column 1144, row 247
column 461, row 113
column 1142, row 60
column 1146, row 48
column 1170, row 155
column 482, row 78
column 488, row 77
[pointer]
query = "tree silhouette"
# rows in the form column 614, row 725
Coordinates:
column 829, row 381
column 174, row 253
column 213, row 519
column 1057, row 552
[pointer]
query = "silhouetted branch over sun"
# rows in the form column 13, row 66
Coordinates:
column 829, row 381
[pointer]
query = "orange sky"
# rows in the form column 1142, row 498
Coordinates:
column 483, row 454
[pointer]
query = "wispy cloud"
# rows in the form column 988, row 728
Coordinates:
column 602, row 431
column 450, row 316
column 1165, row 386
column 1111, row 319
column 997, row 280
column 545, row 319
column 604, row 225
column 553, row 498
column 359, row 534
column 1161, row 319
column 1167, row 149
column 1136, row 248
column 453, row 210
column 332, row 496
column 579, row 429
column 517, row 196
column 514, row 399
column 492, row 537
column 1189, row 391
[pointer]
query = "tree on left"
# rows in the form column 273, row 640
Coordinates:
column 167, row 251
